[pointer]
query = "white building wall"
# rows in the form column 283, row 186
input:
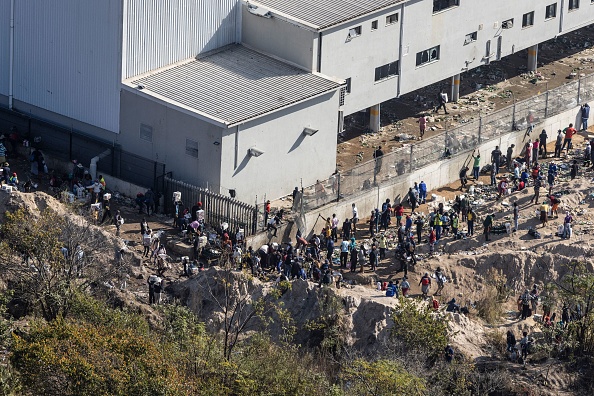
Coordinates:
column 576, row 19
column 448, row 28
column 67, row 57
column 158, row 33
column 358, row 58
column 170, row 129
column 280, row 38
column 289, row 158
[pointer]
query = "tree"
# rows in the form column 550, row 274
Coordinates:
column 51, row 258
column 576, row 291
column 242, row 304
column 108, row 357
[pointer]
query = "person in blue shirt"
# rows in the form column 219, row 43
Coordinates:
column 422, row 192
column 524, row 176
column 552, row 174
column 408, row 224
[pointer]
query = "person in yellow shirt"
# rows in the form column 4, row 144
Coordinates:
column 544, row 213
column 470, row 219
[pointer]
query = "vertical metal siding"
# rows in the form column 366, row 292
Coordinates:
column 159, row 33
column 4, row 45
column 68, row 58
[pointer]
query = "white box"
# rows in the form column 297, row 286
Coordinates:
column 7, row 188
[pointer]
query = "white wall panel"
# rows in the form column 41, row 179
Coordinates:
column 4, row 45
column 158, row 33
column 68, row 58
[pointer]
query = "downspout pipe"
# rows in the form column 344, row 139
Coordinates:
column 94, row 160
column 11, row 57
column 400, row 50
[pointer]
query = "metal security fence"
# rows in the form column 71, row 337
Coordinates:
column 451, row 142
column 218, row 208
column 68, row 144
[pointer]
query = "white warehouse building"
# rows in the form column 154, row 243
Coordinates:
column 249, row 95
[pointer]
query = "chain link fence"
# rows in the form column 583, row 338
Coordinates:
column 451, row 142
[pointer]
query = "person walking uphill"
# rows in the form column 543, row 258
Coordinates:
column 425, row 284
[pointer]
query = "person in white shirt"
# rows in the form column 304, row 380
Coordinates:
column 334, row 228
column 355, row 218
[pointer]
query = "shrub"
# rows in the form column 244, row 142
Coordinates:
column 420, row 328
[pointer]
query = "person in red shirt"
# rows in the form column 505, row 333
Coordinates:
column 432, row 240
column 569, row 132
column 399, row 212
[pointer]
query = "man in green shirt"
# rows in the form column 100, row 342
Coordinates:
column 476, row 167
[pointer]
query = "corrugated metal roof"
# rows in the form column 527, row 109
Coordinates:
column 326, row 13
column 235, row 84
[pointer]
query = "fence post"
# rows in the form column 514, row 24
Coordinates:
column 480, row 131
column 578, row 91
column 412, row 148
column 547, row 104
column 255, row 219
column 338, row 176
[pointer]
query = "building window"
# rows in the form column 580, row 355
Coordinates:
column 507, row 24
column 146, row 132
column 528, row 19
column 385, row 71
column 470, row 38
column 192, row 148
column 390, row 19
column 373, row 25
column 551, row 11
column 574, row 5
column 354, row 32
column 348, row 85
column 440, row 5
column 428, row 56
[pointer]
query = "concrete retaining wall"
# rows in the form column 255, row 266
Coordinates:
column 435, row 176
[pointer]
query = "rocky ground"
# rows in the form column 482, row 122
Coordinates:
column 468, row 264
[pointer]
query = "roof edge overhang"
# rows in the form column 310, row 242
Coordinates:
column 316, row 28
column 155, row 97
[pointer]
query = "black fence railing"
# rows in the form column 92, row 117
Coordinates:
column 69, row 144
column 218, row 208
